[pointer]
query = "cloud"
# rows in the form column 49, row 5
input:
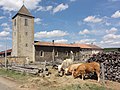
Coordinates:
column 112, row 30
column 92, row 19
column 32, row 4
column 47, row 8
column 85, row 31
column 7, row 29
column 4, row 33
column 1, row 17
column 2, row 47
column 108, row 24
column 37, row 20
column 109, row 43
column 10, row 5
column 86, row 41
column 91, row 32
column 60, row 7
column 61, row 41
column 54, row 33
column 113, row 0
column 4, row 25
column 116, row 14
column 72, row 0
column 14, row 5
column 117, row 43
column 56, row 9
column 109, row 37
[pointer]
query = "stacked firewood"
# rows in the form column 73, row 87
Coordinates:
column 111, row 62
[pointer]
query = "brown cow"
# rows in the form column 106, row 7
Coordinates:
column 87, row 68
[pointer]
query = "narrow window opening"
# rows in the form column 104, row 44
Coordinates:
column 41, row 53
column 26, row 45
column 26, row 22
column 26, row 33
column 15, row 22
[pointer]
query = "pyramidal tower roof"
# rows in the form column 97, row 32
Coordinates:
column 23, row 11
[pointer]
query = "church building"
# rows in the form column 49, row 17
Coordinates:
column 23, row 44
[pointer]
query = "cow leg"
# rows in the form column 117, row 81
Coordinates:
column 82, row 76
column 72, row 72
column 62, row 73
column 98, row 75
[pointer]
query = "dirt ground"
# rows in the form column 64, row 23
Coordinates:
column 53, row 82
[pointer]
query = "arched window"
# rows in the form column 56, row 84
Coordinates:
column 41, row 53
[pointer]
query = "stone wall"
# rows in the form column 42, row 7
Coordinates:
column 14, row 61
column 61, row 53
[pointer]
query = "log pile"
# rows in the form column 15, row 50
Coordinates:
column 30, row 70
column 111, row 62
column 24, row 69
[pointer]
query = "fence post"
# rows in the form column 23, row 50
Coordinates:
column 53, row 52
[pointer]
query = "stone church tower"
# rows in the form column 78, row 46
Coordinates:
column 23, row 34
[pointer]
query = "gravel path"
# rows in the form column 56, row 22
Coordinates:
column 6, row 84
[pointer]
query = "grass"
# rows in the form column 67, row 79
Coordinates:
column 84, row 87
column 21, row 77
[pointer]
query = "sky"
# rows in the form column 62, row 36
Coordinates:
column 66, row 21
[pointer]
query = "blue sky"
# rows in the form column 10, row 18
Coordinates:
column 66, row 21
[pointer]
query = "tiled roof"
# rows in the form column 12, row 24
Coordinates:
column 55, row 44
column 82, row 45
column 88, row 46
column 23, row 11
column 8, row 51
column 93, row 46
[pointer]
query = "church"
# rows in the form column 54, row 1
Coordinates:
column 23, row 44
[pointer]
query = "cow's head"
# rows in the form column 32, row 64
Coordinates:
column 75, row 73
column 59, row 68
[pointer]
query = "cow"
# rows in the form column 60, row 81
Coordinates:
column 87, row 68
column 71, row 68
column 66, row 63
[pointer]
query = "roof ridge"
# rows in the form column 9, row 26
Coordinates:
column 23, row 11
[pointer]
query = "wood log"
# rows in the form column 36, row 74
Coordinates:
column 111, row 61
